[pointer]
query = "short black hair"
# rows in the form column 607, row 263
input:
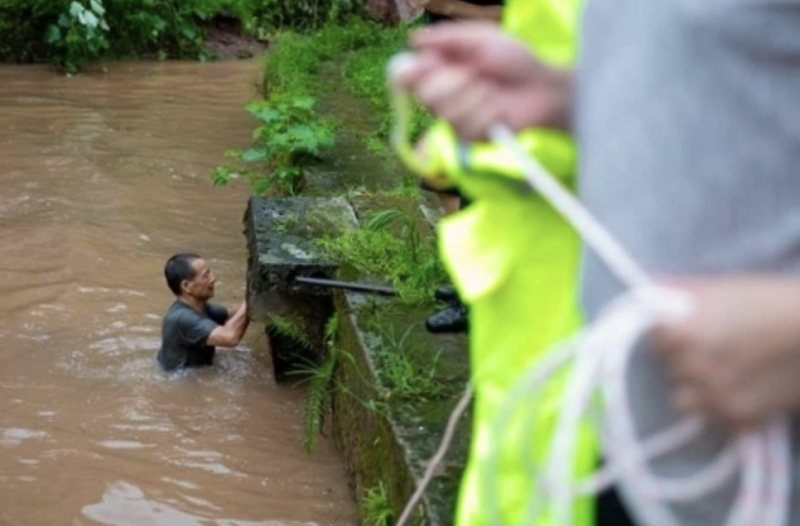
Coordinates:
column 178, row 268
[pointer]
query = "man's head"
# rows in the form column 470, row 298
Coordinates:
column 190, row 275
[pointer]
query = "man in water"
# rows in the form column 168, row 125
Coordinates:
column 193, row 327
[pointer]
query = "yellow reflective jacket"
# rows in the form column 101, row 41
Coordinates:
column 514, row 261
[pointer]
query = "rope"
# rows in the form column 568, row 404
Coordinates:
column 437, row 458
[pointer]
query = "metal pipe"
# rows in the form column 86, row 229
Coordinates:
column 357, row 287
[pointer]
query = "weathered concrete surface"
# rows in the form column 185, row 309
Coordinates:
column 390, row 437
column 281, row 234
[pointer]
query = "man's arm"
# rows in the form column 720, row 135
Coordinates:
column 230, row 334
column 458, row 10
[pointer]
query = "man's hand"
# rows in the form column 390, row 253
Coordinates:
column 473, row 75
column 736, row 360
column 230, row 334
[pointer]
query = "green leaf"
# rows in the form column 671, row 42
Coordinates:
column 159, row 24
column 303, row 135
column 75, row 9
column 261, row 186
column 188, row 30
column 53, row 34
column 268, row 115
column 89, row 19
column 254, row 155
column 280, row 140
column 286, row 172
column 254, row 106
column 222, row 175
column 97, row 7
column 260, row 132
column 306, row 102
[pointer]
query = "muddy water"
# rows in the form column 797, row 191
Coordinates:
column 103, row 177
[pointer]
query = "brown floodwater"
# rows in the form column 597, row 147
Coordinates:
column 104, row 176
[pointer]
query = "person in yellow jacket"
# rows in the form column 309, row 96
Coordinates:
column 514, row 262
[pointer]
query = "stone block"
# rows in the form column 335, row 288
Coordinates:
column 387, row 432
column 283, row 243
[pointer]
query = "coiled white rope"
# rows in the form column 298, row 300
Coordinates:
column 599, row 358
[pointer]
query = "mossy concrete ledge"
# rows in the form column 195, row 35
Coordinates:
column 394, row 384
column 281, row 234
column 387, row 432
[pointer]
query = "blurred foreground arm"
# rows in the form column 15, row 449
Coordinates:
column 473, row 75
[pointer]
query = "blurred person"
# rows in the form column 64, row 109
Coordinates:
column 454, row 317
column 677, row 108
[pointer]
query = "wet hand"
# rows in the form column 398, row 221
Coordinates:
column 473, row 75
column 736, row 359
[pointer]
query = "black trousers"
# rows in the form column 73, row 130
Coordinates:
column 609, row 510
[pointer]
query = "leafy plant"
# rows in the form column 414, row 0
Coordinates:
column 79, row 35
column 377, row 510
column 391, row 245
column 365, row 76
column 320, row 384
column 268, row 17
column 400, row 375
column 290, row 328
column 54, row 30
column 290, row 135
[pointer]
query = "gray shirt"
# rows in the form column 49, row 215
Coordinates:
column 688, row 121
column 184, row 333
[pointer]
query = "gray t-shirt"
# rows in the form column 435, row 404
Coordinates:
column 184, row 333
column 688, row 121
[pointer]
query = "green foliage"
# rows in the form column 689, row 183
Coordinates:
column 71, row 32
column 377, row 510
column 401, row 375
column 290, row 135
column 78, row 35
column 365, row 76
column 290, row 328
column 392, row 245
column 267, row 17
column 295, row 63
column 320, row 384
column 361, row 49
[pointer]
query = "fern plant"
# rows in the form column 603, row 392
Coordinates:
column 320, row 384
column 377, row 510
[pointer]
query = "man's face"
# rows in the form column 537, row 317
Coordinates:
column 201, row 286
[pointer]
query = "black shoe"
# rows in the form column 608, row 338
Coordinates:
column 451, row 319
column 446, row 293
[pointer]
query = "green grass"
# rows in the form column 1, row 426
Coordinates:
column 391, row 244
column 377, row 510
column 362, row 49
column 38, row 30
